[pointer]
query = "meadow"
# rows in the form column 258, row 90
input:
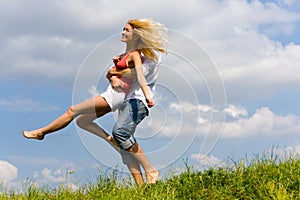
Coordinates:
column 259, row 178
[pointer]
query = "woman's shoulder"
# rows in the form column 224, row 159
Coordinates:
column 135, row 53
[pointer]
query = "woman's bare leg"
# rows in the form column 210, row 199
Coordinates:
column 136, row 172
column 137, row 152
column 90, row 106
column 85, row 122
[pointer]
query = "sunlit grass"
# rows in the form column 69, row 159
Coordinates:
column 260, row 178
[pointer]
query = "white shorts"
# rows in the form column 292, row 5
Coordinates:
column 114, row 99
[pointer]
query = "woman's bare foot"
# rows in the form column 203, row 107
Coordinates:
column 152, row 177
column 33, row 135
column 108, row 138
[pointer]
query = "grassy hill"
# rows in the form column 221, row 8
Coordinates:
column 259, row 179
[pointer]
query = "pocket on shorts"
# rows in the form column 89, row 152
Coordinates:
column 139, row 110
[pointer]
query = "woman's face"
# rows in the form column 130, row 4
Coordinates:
column 127, row 33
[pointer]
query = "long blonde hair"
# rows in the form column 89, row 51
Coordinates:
column 152, row 36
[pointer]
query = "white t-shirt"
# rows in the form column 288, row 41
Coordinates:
column 151, row 70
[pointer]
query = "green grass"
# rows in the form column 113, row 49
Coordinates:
column 260, row 178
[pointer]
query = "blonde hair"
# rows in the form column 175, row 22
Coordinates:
column 152, row 36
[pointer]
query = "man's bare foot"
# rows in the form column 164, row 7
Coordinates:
column 33, row 135
column 152, row 177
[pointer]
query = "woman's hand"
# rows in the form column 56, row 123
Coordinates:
column 150, row 102
column 128, row 72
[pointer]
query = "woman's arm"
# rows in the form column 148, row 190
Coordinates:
column 128, row 72
column 136, row 58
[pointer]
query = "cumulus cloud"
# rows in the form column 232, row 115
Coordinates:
column 57, row 171
column 236, row 34
column 262, row 122
column 188, row 119
column 203, row 161
column 235, row 111
column 285, row 152
column 249, row 15
column 8, row 172
column 55, row 177
column 206, row 160
column 272, row 66
column 244, row 51
column 42, row 42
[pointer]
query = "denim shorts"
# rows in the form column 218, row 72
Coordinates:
column 131, row 113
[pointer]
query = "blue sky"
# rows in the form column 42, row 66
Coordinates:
column 54, row 54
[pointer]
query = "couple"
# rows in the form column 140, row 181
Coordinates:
column 132, row 82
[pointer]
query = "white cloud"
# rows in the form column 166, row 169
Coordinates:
column 62, row 32
column 206, row 161
column 262, row 122
column 249, row 61
column 235, row 111
column 188, row 119
column 190, row 107
column 8, row 172
column 49, row 176
column 55, row 173
column 198, row 162
column 258, row 69
column 286, row 152
column 40, row 58
column 236, row 35
column 202, row 161
column 21, row 104
column 56, row 177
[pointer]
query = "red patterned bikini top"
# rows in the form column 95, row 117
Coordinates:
column 122, row 63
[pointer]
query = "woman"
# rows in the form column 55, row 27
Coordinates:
column 141, row 37
column 135, row 45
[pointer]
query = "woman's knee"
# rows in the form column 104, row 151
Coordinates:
column 70, row 112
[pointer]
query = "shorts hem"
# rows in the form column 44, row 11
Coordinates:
column 128, row 143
